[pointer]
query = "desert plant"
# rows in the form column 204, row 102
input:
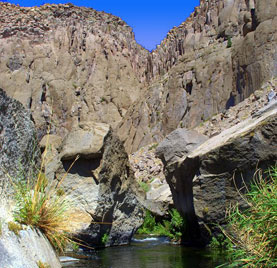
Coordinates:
column 38, row 205
column 254, row 230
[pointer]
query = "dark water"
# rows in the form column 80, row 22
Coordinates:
column 150, row 253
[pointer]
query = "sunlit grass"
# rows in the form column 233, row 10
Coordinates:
column 254, row 230
column 38, row 205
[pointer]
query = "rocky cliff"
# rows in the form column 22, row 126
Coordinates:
column 69, row 64
column 220, row 55
column 72, row 64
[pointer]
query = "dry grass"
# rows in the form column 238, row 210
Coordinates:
column 38, row 205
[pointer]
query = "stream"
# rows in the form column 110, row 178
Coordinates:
column 148, row 253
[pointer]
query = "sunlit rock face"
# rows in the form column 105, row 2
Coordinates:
column 218, row 57
column 69, row 64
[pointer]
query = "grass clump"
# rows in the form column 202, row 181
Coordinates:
column 253, row 231
column 105, row 238
column 14, row 227
column 145, row 187
column 41, row 264
column 153, row 146
column 172, row 228
column 38, row 206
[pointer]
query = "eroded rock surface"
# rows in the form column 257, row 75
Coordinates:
column 19, row 151
column 197, row 73
column 205, row 181
column 19, row 159
column 69, row 64
column 100, row 185
column 26, row 250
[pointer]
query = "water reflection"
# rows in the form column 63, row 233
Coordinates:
column 151, row 253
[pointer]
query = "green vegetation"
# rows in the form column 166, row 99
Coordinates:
column 153, row 146
column 38, row 206
column 253, row 232
column 103, row 99
column 105, row 238
column 41, row 264
column 229, row 42
column 221, row 242
column 75, row 246
column 14, row 227
column 144, row 186
column 173, row 228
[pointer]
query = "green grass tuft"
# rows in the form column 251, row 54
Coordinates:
column 145, row 187
column 254, row 230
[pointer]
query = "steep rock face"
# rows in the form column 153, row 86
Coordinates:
column 26, row 250
column 205, row 181
column 100, row 184
column 69, row 64
column 19, row 151
column 197, row 72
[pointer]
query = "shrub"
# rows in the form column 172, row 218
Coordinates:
column 254, row 230
column 173, row 228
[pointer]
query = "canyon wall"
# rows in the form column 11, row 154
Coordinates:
column 220, row 55
column 69, row 64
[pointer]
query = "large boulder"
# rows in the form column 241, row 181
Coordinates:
column 205, row 181
column 99, row 184
column 178, row 143
column 19, row 150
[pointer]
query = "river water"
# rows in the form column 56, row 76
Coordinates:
column 150, row 253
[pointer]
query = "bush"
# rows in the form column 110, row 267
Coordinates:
column 173, row 228
column 254, row 230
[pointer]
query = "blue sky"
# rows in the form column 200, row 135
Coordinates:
column 150, row 20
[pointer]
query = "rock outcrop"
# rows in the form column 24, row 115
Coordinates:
column 206, row 180
column 28, row 249
column 100, row 185
column 223, row 53
column 69, row 64
column 19, row 157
